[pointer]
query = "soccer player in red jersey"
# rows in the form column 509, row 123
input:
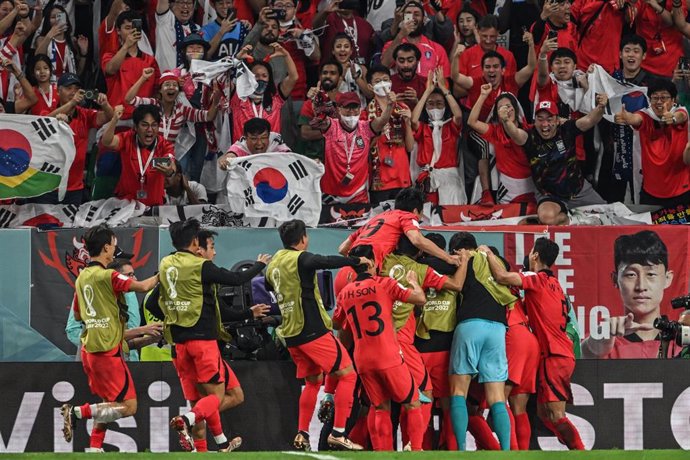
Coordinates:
column 97, row 303
column 547, row 309
column 383, row 231
column 368, row 305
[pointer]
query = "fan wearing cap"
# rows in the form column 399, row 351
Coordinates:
column 550, row 148
column 348, row 142
column 81, row 119
column 122, row 68
column 176, row 111
column 173, row 23
column 142, row 178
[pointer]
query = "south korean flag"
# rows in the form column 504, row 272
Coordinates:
column 283, row 186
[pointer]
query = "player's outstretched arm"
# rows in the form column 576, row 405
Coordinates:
column 145, row 285
column 425, row 245
column 457, row 281
column 211, row 273
column 345, row 246
column 498, row 270
column 311, row 261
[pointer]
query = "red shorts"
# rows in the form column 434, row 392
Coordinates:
column 413, row 360
column 436, row 364
column 190, row 390
column 522, row 350
column 394, row 384
column 554, row 379
column 323, row 355
column 109, row 377
column 199, row 361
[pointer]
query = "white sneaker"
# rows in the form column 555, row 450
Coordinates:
column 94, row 450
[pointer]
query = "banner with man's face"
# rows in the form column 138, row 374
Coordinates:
column 597, row 288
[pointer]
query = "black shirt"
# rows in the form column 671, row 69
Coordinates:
column 477, row 302
column 555, row 169
column 307, row 264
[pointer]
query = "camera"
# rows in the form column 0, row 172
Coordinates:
column 672, row 331
column 682, row 301
column 90, row 94
column 136, row 24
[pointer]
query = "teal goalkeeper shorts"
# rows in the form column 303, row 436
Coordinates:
column 479, row 348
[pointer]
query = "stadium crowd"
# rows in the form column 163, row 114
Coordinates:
column 387, row 94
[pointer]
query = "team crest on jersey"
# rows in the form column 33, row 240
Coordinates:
column 360, row 142
column 427, row 54
column 431, row 294
column 397, row 272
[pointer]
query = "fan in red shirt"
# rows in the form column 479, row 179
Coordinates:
column 600, row 27
column 142, row 178
column 547, row 309
column 383, row 231
column 470, row 61
column 368, row 304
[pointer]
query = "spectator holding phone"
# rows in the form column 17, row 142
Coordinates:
column 28, row 99
column 226, row 33
column 123, row 68
column 71, row 97
column 65, row 52
column 141, row 179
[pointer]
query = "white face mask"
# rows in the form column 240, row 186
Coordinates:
column 350, row 122
column 382, row 88
column 435, row 114
column 197, row 55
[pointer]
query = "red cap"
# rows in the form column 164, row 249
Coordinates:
column 168, row 75
column 349, row 98
column 549, row 106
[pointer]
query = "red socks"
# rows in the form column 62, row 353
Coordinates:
column 569, row 434
column 359, row 432
column 371, row 426
column 97, row 437
column 213, row 424
column 415, row 426
column 205, row 407
column 307, row 403
column 344, row 394
column 200, row 445
column 483, row 435
column 523, row 430
column 382, row 437
column 85, row 411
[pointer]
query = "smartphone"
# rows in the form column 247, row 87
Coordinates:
column 60, row 18
column 231, row 14
column 136, row 24
column 683, row 63
column 408, row 17
column 552, row 34
column 155, row 162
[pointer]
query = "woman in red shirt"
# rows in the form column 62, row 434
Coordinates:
column 516, row 184
column 40, row 75
column 268, row 98
column 436, row 121
column 66, row 53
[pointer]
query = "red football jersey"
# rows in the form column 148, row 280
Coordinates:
column 548, row 312
column 368, row 303
column 382, row 232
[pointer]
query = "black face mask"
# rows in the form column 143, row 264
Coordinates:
column 525, row 263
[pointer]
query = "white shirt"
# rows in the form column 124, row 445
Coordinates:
column 195, row 187
column 166, row 49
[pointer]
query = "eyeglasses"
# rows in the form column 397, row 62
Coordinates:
column 660, row 98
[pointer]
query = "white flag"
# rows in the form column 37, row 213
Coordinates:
column 283, row 186
column 600, row 82
column 35, row 156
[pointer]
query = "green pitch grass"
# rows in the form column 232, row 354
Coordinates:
column 532, row 455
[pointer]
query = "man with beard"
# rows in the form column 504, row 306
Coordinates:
column 432, row 54
column 225, row 33
column 320, row 103
column 407, row 83
column 495, row 73
column 550, row 148
column 173, row 24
